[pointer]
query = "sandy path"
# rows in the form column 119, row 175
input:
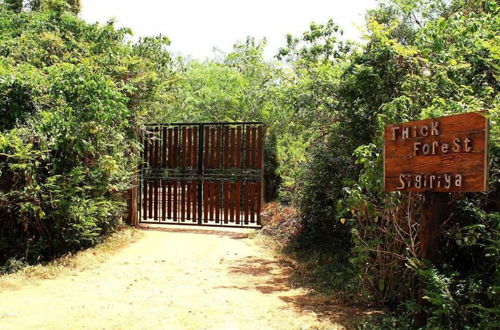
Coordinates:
column 175, row 279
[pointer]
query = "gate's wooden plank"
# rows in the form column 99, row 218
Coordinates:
column 187, row 147
column 164, row 147
column 169, row 200
column 148, row 193
column 205, row 201
column 252, row 202
column 194, row 198
column 183, row 201
column 213, row 148
column 188, row 200
column 150, row 199
column 171, row 157
column 183, row 146
column 226, row 201
column 207, row 192
column 231, row 202
column 207, row 148
column 233, row 147
column 155, row 199
column 259, row 200
column 247, row 146
column 163, row 200
column 175, row 148
column 174, row 208
column 155, row 205
column 226, row 147
column 195, row 147
column 189, row 154
column 217, row 201
column 238, row 201
column 151, row 156
column 169, row 148
column 248, row 216
column 153, row 148
column 253, row 154
column 217, row 147
column 238, row 146
column 159, row 144
column 151, row 151
column 147, row 149
column 212, row 199
column 247, row 202
column 260, row 147
column 156, row 147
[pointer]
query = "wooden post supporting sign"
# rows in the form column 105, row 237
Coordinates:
column 436, row 157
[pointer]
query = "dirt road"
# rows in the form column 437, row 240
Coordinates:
column 170, row 279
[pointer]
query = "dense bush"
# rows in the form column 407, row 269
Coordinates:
column 423, row 59
column 72, row 95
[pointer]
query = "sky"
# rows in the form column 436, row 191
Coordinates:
column 195, row 27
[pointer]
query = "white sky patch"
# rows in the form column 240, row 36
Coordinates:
column 195, row 27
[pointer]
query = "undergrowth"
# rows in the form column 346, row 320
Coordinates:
column 71, row 262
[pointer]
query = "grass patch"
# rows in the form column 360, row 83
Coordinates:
column 72, row 263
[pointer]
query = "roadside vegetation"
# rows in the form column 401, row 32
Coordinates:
column 74, row 95
column 70, row 263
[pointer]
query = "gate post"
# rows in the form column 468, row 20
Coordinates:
column 132, row 218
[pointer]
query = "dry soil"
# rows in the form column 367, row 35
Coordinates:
column 173, row 278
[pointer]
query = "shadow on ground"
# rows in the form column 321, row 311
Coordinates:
column 268, row 277
column 208, row 231
column 273, row 277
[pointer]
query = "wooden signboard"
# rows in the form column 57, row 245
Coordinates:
column 446, row 154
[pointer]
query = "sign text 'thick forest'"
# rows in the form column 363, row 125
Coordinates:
column 447, row 154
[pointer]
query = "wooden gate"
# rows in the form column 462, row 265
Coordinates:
column 202, row 174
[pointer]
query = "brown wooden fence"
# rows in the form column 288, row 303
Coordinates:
column 205, row 174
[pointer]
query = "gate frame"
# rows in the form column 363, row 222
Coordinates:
column 135, row 217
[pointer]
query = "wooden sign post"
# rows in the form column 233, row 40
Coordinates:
column 436, row 157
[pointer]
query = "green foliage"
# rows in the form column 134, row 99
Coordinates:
column 72, row 96
column 423, row 58
column 319, row 189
